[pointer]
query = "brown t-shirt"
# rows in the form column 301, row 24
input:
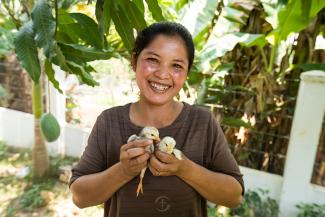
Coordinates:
column 197, row 135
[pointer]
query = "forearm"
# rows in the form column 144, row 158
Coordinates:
column 216, row 187
column 94, row 189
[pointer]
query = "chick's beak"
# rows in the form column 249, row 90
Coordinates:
column 157, row 139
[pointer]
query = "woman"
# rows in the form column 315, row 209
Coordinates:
column 107, row 171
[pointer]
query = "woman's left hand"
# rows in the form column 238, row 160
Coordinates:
column 163, row 164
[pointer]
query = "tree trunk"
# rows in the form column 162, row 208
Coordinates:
column 40, row 156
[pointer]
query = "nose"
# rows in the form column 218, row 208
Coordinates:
column 162, row 71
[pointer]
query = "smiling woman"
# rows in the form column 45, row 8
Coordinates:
column 106, row 173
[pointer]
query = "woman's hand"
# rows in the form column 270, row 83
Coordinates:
column 134, row 157
column 163, row 164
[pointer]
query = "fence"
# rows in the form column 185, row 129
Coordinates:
column 290, row 189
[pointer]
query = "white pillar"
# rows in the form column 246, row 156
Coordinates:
column 57, row 108
column 304, row 138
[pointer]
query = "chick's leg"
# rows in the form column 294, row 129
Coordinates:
column 140, row 188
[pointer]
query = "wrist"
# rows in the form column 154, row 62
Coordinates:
column 185, row 168
column 123, row 173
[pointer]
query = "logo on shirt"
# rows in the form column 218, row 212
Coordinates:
column 162, row 203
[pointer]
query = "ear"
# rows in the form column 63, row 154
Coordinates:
column 134, row 61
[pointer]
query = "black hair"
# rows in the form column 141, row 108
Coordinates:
column 147, row 35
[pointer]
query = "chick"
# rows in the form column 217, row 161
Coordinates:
column 167, row 145
column 146, row 133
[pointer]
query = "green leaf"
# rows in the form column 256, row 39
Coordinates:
column 218, row 46
column 297, row 14
column 89, row 29
column 155, row 10
column 103, row 16
column 50, row 127
column 180, row 3
column 123, row 26
column 225, row 67
column 140, row 5
column 134, row 15
column 200, row 100
column 81, row 71
column 79, row 53
column 249, row 40
column 7, row 41
column 310, row 66
column 26, row 51
column 67, row 26
column 235, row 15
column 59, row 59
column 44, row 26
column 3, row 93
column 199, row 15
column 50, row 75
column 235, row 122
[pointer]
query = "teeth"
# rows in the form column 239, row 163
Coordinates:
column 159, row 87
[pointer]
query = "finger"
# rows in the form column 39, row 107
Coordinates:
column 140, row 160
column 135, row 152
column 154, row 171
column 164, row 157
column 136, row 143
column 158, row 165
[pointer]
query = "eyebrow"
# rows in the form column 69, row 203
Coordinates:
column 155, row 54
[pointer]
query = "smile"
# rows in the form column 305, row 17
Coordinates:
column 158, row 87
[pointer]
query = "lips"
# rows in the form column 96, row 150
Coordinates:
column 158, row 87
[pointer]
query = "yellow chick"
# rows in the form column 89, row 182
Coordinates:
column 147, row 132
column 167, row 145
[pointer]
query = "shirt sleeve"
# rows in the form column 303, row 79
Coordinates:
column 220, row 157
column 94, row 155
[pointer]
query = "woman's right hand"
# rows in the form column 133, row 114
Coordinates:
column 134, row 157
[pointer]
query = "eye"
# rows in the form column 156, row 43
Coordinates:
column 177, row 66
column 152, row 60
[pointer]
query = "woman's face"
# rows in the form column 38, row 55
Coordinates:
column 161, row 69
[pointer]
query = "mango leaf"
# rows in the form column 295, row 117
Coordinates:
column 296, row 15
column 103, row 16
column 68, row 26
column 155, row 10
column 235, row 122
column 44, row 26
column 90, row 31
column 82, row 73
column 134, row 15
column 199, row 15
column 50, row 75
column 26, row 51
column 122, row 26
column 59, row 59
column 311, row 66
column 80, row 53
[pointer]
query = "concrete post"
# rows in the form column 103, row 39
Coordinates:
column 304, row 138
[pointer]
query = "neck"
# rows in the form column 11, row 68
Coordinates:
column 145, row 114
